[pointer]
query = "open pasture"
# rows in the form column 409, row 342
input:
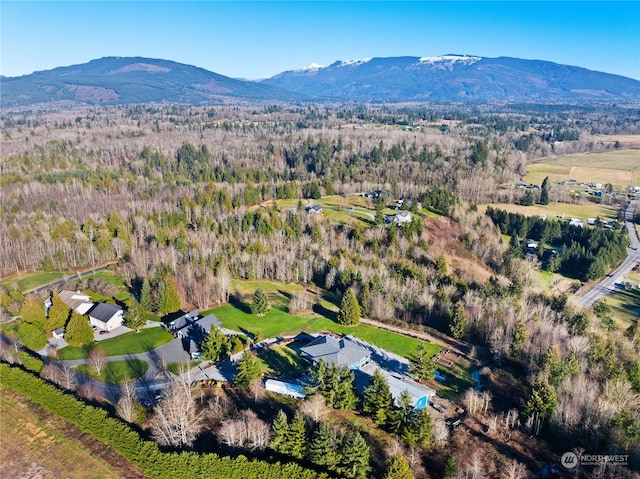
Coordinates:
column 621, row 168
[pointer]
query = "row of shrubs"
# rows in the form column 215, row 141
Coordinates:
column 142, row 453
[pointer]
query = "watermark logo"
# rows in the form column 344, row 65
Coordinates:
column 570, row 460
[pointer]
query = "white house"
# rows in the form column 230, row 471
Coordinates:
column 401, row 217
column 79, row 302
column 106, row 317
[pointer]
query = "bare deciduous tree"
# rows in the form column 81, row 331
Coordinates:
column 97, row 360
column 315, row 408
column 126, row 407
column 514, row 470
column 176, row 420
column 440, row 433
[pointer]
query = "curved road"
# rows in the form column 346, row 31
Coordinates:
column 608, row 284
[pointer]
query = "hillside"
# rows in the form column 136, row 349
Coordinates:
column 115, row 80
column 457, row 78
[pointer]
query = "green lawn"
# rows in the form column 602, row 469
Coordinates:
column 128, row 343
column 282, row 361
column 279, row 323
column 28, row 281
column 177, row 368
column 625, row 307
column 117, row 372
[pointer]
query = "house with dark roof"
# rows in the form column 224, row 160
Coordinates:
column 313, row 210
column 340, row 351
column 106, row 317
column 200, row 328
column 180, row 325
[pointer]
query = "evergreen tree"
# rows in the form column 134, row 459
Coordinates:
column 322, row 449
column 33, row 311
column 397, row 467
column 134, row 317
column 32, row 335
column 279, row 432
column 377, row 400
column 345, row 397
column 145, row 295
column 543, row 399
column 544, row 191
column 451, row 467
column 248, row 370
column 459, row 324
column 353, row 457
column 216, row 346
column 58, row 314
column 527, row 199
column 418, row 431
column 260, row 303
column 160, row 297
column 403, row 413
column 79, row 332
column 365, row 300
column 171, row 299
column 349, row 313
column 422, row 366
column 297, row 437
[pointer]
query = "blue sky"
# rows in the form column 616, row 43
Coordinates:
column 259, row 39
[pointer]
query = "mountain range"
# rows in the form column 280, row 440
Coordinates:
column 448, row 78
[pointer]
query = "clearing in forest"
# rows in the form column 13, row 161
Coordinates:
column 621, row 168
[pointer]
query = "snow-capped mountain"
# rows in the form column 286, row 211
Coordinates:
column 457, row 78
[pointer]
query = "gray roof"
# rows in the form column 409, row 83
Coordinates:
column 73, row 299
column 208, row 321
column 185, row 320
column 343, row 351
column 104, row 311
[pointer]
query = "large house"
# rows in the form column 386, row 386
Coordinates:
column 79, row 302
column 401, row 217
column 420, row 395
column 106, row 317
column 340, row 351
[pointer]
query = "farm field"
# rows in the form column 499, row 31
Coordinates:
column 625, row 140
column 621, row 168
column 43, row 447
column 559, row 210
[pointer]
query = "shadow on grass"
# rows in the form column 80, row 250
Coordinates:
column 282, row 364
column 240, row 305
column 326, row 312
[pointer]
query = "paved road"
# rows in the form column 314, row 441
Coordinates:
column 613, row 281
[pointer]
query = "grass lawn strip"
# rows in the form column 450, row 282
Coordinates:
column 34, row 444
column 128, row 343
column 117, row 372
column 282, row 361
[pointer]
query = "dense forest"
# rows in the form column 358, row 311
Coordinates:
column 186, row 199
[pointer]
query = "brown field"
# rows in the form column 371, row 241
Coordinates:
column 559, row 210
column 621, row 168
column 626, row 141
column 37, row 445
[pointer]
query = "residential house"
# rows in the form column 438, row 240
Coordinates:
column 200, row 328
column 79, row 302
column 401, row 217
column 420, row 394
column 340, row 351
column 576, row 222
column 313, row 210
column 106, row 317
column 179, row 326
column 58, row 333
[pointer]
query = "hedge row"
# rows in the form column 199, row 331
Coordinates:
column 146, row 455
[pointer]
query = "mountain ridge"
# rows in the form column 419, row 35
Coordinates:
column 447, row 78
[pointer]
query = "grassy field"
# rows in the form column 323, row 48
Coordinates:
column 128, row 343
column 621, row 168
column 280, row 323
column 625, row 307
column 117, row 372
column 282, row 361
column 560, row 210
column 27, row 281
column 34, row 445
